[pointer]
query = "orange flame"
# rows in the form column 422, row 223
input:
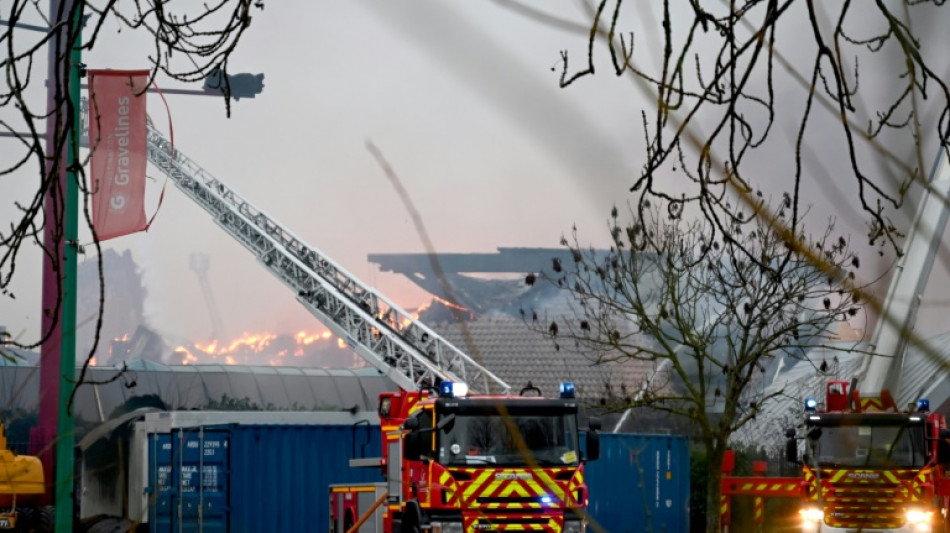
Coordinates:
column 307, row 339
column 415, row 314
column 186, row 356
column 254, row 348
column 449, row 304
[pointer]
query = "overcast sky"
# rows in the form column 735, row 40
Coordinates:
column 462, row 100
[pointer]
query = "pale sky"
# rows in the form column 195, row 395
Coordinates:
column 461, row 99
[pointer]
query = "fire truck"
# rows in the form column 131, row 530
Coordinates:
column 868, row 464
column 458, row 463
column 490, row 460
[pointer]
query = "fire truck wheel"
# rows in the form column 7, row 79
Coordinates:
column 411, row 518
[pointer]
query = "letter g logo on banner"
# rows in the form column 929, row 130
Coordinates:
column 117, row 202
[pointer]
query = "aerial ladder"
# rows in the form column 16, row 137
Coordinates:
column 397, row 344
column 881, row 369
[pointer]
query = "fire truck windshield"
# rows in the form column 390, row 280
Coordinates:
column 862, row 444
column 489, row 439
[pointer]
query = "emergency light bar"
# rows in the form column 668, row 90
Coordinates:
column 811, row 404
column 451, row 389
column 566, row 389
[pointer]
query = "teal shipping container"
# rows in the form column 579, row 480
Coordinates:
column 640, row 484
column 249, row 478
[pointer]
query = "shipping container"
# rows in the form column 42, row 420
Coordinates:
column 640, row 484
column 235, row 478
column 115, row 458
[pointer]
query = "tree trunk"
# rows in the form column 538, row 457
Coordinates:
column 715, row 451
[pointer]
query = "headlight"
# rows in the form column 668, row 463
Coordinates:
column 446, row 527
column 812, row 514
column 575, row 526
column 920, row 519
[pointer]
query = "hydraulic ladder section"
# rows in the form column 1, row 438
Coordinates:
column 389, row 338
column 882, row 369
column 386, row 336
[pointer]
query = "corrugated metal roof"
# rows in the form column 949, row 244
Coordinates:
column 208, row 386
column 517, row 354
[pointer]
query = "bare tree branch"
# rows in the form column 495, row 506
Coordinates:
column 685, row 294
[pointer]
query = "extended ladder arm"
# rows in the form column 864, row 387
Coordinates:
column 396, row 343
column 389, row 338
column 883, row 369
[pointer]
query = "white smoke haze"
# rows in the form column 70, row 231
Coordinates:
column 462, row 100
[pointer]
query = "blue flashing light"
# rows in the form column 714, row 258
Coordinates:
column 445, row 389
column 811, row 404
column 567, row 389
column 547, row 500
column 923, row 405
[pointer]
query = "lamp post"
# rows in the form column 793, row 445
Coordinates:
column 60, row 241
column 61, row 231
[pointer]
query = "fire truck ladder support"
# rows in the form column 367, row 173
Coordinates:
column 389, row 338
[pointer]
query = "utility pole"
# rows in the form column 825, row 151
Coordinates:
column 61, row 231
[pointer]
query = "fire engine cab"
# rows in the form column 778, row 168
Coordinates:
column 456, row 463
column 869, row 466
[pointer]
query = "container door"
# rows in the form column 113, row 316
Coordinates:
column 188, row 471
column 202, row 481
column 164, row 503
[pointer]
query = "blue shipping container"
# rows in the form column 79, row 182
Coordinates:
column 250, row 478
column 640, row 484
column 176, row 460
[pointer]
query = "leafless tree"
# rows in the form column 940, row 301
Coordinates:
column 683, row 294
column 190, row 42
column 720, row 71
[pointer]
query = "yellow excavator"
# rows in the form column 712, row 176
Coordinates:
column 21, row 484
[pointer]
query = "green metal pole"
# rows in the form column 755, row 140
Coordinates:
column 65, row 438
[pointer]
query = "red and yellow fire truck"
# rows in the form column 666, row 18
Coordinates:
column 869, row 466
column 461, row 464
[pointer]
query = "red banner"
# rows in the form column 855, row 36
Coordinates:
column 117, row 140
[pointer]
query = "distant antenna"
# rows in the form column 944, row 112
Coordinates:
column 199, row 264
